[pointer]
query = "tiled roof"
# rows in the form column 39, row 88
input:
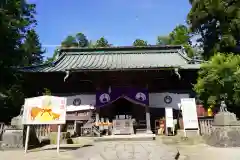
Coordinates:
column 118, row 58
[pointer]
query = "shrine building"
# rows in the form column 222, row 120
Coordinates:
column 105, row 84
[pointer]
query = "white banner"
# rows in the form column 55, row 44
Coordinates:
column 189, row 113
column 169, row 117
column 44, row 110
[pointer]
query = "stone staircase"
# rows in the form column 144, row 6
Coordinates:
column 89, row 128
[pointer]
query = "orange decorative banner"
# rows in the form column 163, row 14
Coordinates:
column 44, row 110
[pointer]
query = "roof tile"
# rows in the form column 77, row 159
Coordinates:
column 117, row 60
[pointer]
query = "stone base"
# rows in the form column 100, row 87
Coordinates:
column 226, row 131
column 189, row 133
column 225, row 136
column 149, row 132
column 12, row 138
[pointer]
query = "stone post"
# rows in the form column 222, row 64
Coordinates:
column 75, row 126
column 97, row 118
column 148, row 121
column 225, row 129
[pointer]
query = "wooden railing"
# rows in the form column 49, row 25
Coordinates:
column 205, row 125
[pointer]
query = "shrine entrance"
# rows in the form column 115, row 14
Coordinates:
column 123, row 106
column 126, row 115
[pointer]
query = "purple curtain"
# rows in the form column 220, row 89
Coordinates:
column 139, row 95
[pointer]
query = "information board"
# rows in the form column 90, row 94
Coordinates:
column 189, row 113
column 44, row 110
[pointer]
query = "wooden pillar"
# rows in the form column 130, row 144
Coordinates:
column 148, row 120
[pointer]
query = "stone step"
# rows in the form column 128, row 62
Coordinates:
column 137, row 137
column 189, row 133
column 140, row 131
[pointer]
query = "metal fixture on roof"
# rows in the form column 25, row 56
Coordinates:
column 177, row 73
column 67, row 75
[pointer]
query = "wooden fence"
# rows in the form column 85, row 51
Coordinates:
column 205, row 125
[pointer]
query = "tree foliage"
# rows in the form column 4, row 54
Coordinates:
column 78, row 40
column 179, row 36
column 102, row 42
column 163, row 40
column 82, row 40
column 69, row 41
column 218, row 77
column 91, row 44
column 33, row 49
column 54, row 56
column 140, row 42
column 17, row 18
column 218, row 23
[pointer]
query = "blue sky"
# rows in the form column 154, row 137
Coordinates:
column 119, row 21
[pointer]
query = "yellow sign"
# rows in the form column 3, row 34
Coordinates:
column 45, row 110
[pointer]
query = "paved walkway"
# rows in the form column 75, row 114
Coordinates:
column 130, row 150
column 204, row 152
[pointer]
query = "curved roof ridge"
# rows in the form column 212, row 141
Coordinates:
column 121, row 48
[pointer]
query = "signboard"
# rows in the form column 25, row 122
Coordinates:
column 189, row 113
column 169, row 117
column 165, row 99
column 81, row 102
column 44, row 110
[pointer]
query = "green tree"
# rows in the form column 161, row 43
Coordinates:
column 91, row 44
column 218, row 24
column 82, row 40
column 218, row 77
column 16, row 18
column 102, row 42
column 33, row 49
column 69, row 41
column 179, row 36
column 163, row 40
column 79, row 40
column 140, row 42
column 54, row 56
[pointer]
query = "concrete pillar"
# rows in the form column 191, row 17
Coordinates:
column 148, row 121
